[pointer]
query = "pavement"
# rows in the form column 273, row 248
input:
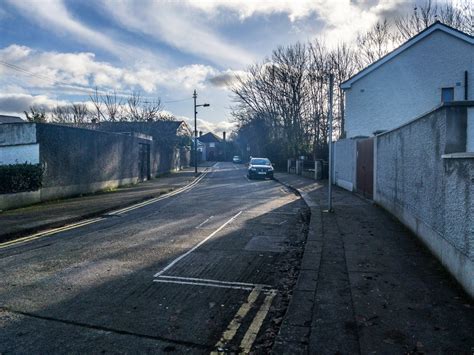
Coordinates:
column 367, row 285
column 208, row 270
column 23, row 221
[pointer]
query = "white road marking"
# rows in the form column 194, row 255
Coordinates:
column 203, row 284
column 203, row 223
column 252, row 332
column 269, row 212
column 260, row 286
column 282, row 222
column 170, row 265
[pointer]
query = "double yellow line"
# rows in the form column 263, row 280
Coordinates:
column 254, row 327
column 156, row 199
column 98, row 219
column 49, row 232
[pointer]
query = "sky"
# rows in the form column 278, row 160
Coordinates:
column 56, row 51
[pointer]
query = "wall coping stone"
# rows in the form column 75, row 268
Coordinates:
column 462, row 155
column 443, row 105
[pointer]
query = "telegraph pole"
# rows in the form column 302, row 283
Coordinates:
column 331, row 83
column 195, row 130
column 195, row 134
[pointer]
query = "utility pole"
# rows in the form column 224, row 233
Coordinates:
column 195, row 130
column 195, row 135
column 331, row 83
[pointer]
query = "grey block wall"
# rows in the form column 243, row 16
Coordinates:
column 165, row 153
column 431, row 194
column 78, row 161
column 85, row 160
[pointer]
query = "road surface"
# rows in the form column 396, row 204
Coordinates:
column 208, row 269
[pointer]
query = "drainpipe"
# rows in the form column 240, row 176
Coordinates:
column 466, row 86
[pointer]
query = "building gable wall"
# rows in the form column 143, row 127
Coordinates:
column 409, row 85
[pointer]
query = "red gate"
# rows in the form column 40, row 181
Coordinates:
column 365, row 167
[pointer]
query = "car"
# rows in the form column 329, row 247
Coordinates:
column 236, row 159
column 260, row 168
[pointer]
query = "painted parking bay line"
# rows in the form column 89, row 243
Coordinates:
column 170, row 265
column 212, row 283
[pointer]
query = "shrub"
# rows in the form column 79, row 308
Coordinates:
column 20, row 177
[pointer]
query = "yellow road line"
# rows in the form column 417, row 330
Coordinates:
column 251, row 334
column 94, row 220
column 235, row 323
column 156, row 199
column 49, row 232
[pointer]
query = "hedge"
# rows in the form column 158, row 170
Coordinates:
column 20, row 177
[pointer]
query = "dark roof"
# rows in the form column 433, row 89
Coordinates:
column 209, row 138
column 437, row 26
column 10, row 119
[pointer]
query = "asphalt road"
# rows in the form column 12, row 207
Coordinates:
column 204, row 270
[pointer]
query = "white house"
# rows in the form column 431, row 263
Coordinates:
column 434, row 66
column 431, row 68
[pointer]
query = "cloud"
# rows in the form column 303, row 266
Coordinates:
column 226, row 78
column 17, row 103
column 79, row 72
column 341, row 19
column 247, row 8
column 207, row 126
column 178, row 24
column 54, row 16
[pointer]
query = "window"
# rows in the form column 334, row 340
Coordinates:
column 447, row 94
column 257, row 161
column 212, row 145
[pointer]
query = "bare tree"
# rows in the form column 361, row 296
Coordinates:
column 375, row 43
column 113, row 106
column 36, row 114
column 74, row 113
column 62, row 114
column 344, row 65
column 96, row 100
column 139, row 109
column 458, row 14
column 151, row 110
column 79, row 112
column 134, row 102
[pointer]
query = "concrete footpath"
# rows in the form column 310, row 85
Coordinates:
column 366, row 285
column 23, row 221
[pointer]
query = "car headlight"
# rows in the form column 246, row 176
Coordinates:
column 270, row 168
column 253, row 169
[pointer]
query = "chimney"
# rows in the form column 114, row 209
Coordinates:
column 200, row 133
column 223, row 136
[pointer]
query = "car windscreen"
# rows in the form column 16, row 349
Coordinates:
column 260, row 162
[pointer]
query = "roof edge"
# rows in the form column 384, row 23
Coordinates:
column 437, row 26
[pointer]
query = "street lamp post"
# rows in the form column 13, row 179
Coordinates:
column 330, row 165
column 195, row 130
